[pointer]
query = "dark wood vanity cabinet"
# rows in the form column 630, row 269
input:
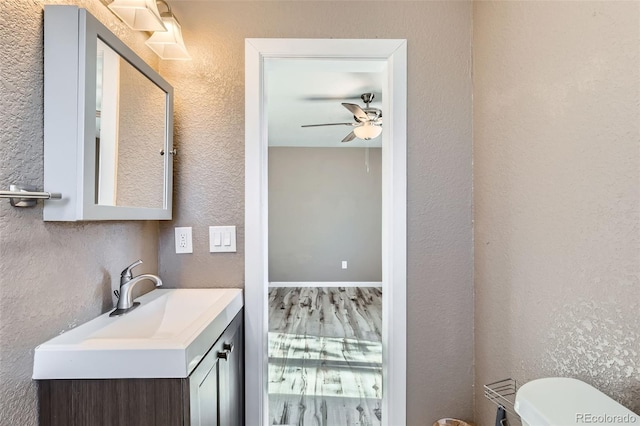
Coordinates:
column 213, row 395
column 220, row 378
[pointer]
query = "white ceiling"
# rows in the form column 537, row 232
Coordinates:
column 310, row 91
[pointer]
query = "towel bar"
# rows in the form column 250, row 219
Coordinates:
column 26, row 195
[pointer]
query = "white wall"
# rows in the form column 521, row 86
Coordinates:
column 557, row 194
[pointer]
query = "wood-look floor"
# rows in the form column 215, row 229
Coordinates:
column 325, row 356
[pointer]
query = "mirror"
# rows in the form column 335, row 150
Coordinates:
column 130, row 129
column 108, row 124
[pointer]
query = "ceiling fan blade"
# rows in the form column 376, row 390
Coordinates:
column 328, row 124
column 330, row 98
column 356, row 111
column 356, row 96
column 351, row 136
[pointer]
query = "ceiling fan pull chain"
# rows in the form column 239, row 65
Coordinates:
column 366, row 158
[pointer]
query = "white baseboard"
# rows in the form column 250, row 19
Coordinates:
column 326, row 284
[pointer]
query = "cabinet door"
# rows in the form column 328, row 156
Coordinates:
column 231, row 375
column 203, row 387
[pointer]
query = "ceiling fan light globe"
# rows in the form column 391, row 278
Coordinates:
column 367, row 131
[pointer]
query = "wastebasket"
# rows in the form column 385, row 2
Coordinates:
column 451, row 422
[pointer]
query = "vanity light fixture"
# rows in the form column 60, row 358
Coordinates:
column 368, row 130
column 169, row 44
column 140, row 15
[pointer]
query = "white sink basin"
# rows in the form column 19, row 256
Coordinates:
column 165, row 337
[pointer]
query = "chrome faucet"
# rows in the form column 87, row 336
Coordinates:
column 127, row 282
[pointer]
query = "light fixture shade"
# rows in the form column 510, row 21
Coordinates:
column 140, row 15
column 169, row 44
column 368, row 130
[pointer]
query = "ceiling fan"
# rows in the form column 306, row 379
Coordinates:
column 368, row 120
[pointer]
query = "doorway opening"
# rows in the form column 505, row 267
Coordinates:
column 364, row 314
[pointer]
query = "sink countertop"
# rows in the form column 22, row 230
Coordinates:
column 165, row 337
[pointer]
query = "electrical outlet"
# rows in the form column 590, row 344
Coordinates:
column 184, row 242
column 344, row 264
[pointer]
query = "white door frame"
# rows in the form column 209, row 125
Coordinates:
column 394, row 222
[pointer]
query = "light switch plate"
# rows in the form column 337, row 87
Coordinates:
column 184, row 242
column 222, row 239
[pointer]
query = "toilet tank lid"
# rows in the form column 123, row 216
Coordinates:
column 561, row 401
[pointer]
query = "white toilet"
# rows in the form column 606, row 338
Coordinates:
column 560, row 401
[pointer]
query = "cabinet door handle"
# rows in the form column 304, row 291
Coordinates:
column 227, row 347
column 223, row 355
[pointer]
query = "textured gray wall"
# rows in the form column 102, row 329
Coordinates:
column 141, row 137
column 209, row 169
column 53, row 276
column 557, row 194
column 324, row 207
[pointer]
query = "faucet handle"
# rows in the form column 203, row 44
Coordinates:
column 127, row 271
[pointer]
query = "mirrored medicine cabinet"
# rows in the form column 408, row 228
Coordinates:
column 108, row 124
